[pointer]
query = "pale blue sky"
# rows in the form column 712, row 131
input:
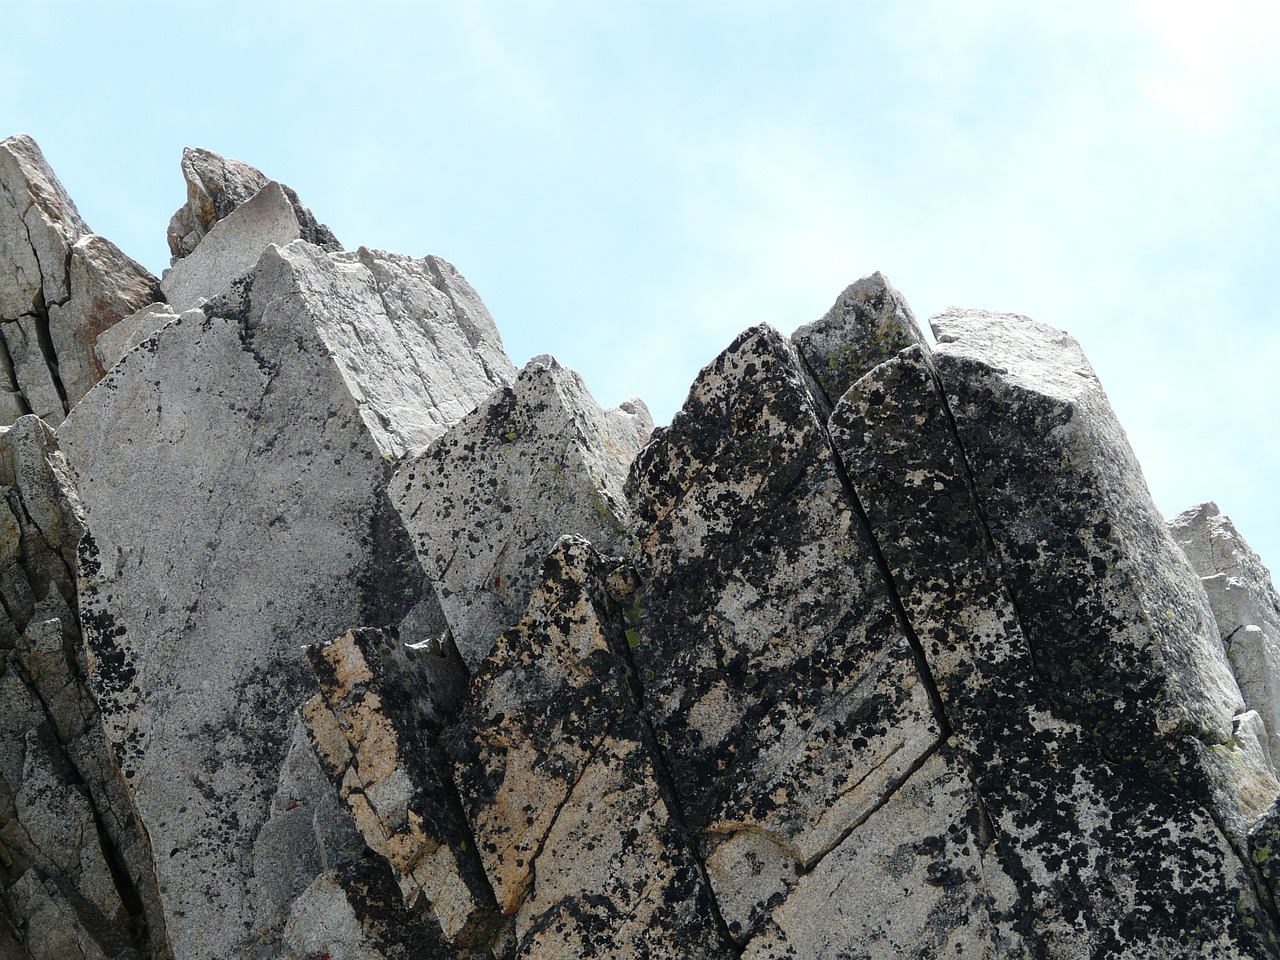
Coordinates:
column 629, row 185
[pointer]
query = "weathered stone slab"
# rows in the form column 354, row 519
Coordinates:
column 105, row 286
column 216, row 186
column 66, row 829
column 231, row 248
column 1245, row 605
column 126, row 334
column 377, row 723
column 919, row 878
column 1119, row 627
column 1042, row 782
column 246, row 517
column 487, row 501
column 782, row 688
column 61, row 286
column 869, row 323
column 415, row 346
column 562, row 792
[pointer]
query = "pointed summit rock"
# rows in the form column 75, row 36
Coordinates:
column 61, row 286
column 216, row 186
column 248, row 519
column 869, row 323
column 231, row 248
column 536, row 461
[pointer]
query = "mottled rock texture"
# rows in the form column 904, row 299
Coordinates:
column 61, row 287
column 537, row 460
column 248, row 518
column 216, row 186
column 326, row 634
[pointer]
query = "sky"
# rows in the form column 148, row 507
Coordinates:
column 629, row 185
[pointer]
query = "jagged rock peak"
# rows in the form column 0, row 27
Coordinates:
column 61, row 287
column 869, row 323
column 537, row 460
column 216, row 186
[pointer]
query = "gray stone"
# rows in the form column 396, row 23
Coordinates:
column 919, row 878
column 216, row 186
column 61, row 286
column 1245, row 606
column 783, row 691
column 63, row 813
column 483, row 504
column 127, row 333
column 562, row 792
column 1117, row 621
column 235, row 496
column 1040, row 778
column 231, row 249
column 377, row 723
column 869, row 323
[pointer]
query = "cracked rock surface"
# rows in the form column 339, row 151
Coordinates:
column 326, row 633
column 62, row 287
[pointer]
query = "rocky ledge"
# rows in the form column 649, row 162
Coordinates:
column 325, row 632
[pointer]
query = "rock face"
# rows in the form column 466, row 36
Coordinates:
column 325, row 633
column 535, row 461
column 216, row 186
column 62, row 286
column 262, row 434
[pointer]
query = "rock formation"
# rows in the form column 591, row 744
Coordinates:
column 326, row 633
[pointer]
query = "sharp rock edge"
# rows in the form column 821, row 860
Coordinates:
column 325, row 632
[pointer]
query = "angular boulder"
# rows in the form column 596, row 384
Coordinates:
column 1037, row 777
column 231, row 248
column 248, row 517
column 869, row 323
column 485, row 503
column 786, row 697
column 1118, row 624
column 556, row 772
column 61, row 287
column 216, row 186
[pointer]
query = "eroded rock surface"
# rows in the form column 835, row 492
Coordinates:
column 783, row 689
column 75, row 870
column 559, row 780
column 1037, row 775
column 536, row 461
column 216, row 186
column 325, row 634
column 248, row 519
column 61, row 287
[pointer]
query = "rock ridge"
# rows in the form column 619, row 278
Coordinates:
column 327, row 632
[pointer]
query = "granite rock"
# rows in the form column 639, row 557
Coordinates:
column 216, row 186
column 785, row 695
column 377, row 725
column 61, row 287
column 1036, row 774
column 1245, row 606
column 557, row 774
column 73, row 861
column 537, row 460
column 249, row 518
column 231, row 248
column 869, row 323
